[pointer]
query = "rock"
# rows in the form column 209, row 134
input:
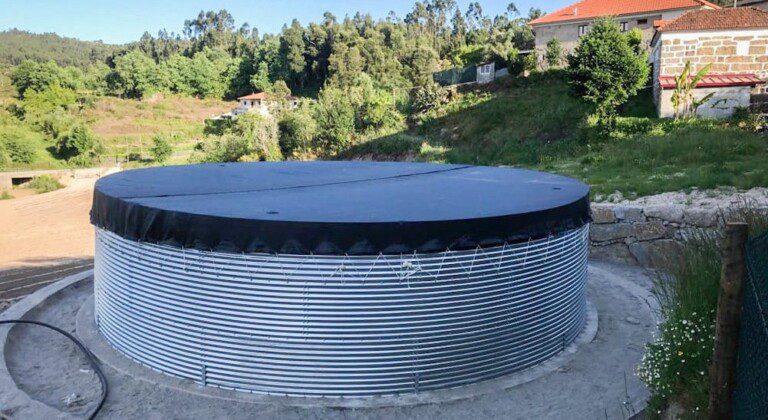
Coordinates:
column 656, row 254
column 701, row 217
column 647, row 231
column 602, row 214
column 73, row 400
column 670, row 213
column 629, row 214
column 632, row 320
column 610, row 232
column 613, row 252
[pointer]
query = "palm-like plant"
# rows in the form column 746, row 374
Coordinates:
column 686, row 105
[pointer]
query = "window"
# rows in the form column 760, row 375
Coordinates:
column 623, row 26
column 485, row 69
column 642, row 21
column 742, row 48
column 583, row 30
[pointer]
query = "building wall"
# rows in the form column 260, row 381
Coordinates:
column 568, row 33
column 731, row 51
column 486, row 77
column 722, row 104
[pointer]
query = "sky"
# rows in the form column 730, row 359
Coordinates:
column 119, row 22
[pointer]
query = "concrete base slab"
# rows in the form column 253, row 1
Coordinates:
column 593, row 378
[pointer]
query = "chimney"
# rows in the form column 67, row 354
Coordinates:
column 575, row 11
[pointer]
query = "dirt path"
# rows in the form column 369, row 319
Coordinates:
column 42, row 236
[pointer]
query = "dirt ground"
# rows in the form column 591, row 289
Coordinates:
column 44, row 237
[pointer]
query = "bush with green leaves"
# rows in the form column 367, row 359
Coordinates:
column 79, row 145
column 606, row 69
column 427, row 97
column 44, row 183
column 335, row 116
column 554, row 54
column 297, row 130
column 17, row 144
column 161, row 148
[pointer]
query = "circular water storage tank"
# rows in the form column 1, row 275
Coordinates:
column 339, row 279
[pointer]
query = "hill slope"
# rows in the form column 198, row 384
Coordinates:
column 17, row 46
column 536, row 123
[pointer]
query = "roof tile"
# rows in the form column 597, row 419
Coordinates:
column 590, row 9
column 697, row 20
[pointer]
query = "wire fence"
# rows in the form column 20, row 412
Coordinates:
column 456, row 76
column 751, row 393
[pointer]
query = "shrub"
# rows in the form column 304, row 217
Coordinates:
column 161, row 148
column 44, row 183
column 17, row 145
column 5, row 195
column 335, row 118
column 606, row 69
column 297, row 131
column 79, row 143
column 554, row 53
column 424, row 98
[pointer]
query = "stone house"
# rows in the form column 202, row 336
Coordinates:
column 261, row 103
column 733, row 41
column 572, row 22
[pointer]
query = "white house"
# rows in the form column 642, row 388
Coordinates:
column 572, row 22
column 261, row 103
column 733, row 41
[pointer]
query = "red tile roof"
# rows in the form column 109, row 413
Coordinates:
column 697, row 20
column 716, row 80
column 590, row 9
column 252, row 96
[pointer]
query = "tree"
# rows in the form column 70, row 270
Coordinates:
column 335, row 118
column 80, row 144
column 35, row 76
column 554, row 53
column 606, row 70
column 297, row 130
column 685, row 103
column 134, row 75
column 161, row 148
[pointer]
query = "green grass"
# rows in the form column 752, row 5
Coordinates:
column 44, row 183
column 536, row 123
column 5, row 195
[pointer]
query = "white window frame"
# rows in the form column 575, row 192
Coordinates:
column 623, row 26
column 485, row 69
column 583, row 29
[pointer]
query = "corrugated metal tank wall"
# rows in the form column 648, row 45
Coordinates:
column 341, row 326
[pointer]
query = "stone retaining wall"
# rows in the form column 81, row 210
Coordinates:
column 648, row 235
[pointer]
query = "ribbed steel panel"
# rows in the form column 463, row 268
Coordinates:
column 341, row 326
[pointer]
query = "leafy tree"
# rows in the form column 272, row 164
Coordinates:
column 161, row 148
column 260, row 80
column 606, row 70
column 685, row 103
column 79, row 145
column 37, row 104
column 16, row 144
column 134, row 75
column 35, row 76
column 297, row 130
column 554, row 53
column 335, row 118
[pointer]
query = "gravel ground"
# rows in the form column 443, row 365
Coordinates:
column 590, row 385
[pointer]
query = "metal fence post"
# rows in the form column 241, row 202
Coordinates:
column 723, row 369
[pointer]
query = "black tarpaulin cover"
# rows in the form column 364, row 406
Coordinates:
column 337, row 208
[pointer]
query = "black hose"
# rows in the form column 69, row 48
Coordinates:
column 88, row 355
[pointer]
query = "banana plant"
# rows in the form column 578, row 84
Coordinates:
column 683, row 100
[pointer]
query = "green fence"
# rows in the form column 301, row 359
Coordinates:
column 456, row 76
column 750, row 399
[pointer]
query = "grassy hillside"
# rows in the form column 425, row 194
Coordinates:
column 17, row 46
column 127, row 126
column 536, row 123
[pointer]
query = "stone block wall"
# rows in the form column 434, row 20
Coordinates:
column 729, row 51
column 649, row 236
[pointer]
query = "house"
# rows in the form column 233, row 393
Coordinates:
column 733, row 41
column 261, row 103
column 572, row 22
column 474, row 74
